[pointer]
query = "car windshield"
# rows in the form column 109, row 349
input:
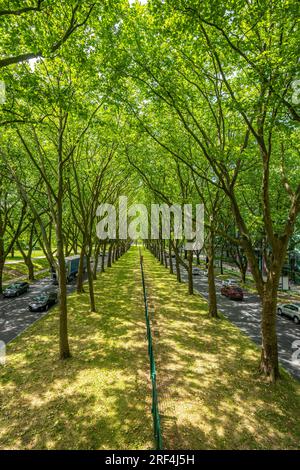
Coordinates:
column 40, row 298
column 13, row 286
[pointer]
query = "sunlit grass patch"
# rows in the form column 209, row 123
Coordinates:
column 17, row 269
column 211, row 396
column 100, row 398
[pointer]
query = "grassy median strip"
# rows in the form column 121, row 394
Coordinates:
column 99, row 399
column 209, row 392
column 19, row 269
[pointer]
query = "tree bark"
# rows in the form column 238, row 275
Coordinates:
column 161, row 252
column 96, row 261
column 212, row 298
column 178, row 274
column 170, row 258
column 166, row 258
column 30, row 267
column 190, row 272
column 64, row 349
column 103, row 257
column 221, row 260
column 1, row 275
column 269, row 353
column 109, row 255
column 79, row 286
column 91, row 284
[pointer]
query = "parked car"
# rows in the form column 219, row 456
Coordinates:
column 43, row 301
column 16, row 289
column 290, row 310
column 196, row 271
column 232, row 292
column 230, row 282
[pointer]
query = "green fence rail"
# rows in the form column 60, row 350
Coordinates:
column 155, row 411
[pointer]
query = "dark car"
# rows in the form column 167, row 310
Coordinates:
column 43, row 301
column 232, row 292
column 196, row 271
column 15, row 289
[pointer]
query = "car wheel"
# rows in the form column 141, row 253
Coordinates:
column 279, row 311
column 296, row 320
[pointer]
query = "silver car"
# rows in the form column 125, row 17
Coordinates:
column 230, row 282
column 290, row 310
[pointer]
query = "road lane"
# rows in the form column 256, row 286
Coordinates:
column 246, row 315
column 15, row 316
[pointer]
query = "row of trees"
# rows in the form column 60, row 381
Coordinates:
column 215, row 108
column 59, row 160
column 178, row 101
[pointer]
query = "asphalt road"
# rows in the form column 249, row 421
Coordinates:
column 246, row 315
column 14, row 314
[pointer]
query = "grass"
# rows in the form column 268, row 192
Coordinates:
column 18, row 255
column 19, row 269
column 98, row 399
column 210, row 394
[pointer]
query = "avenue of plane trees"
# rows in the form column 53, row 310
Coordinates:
column 174, row 102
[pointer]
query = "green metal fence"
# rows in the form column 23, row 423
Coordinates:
column 155, row 411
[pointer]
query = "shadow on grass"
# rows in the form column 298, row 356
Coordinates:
column 210, row 394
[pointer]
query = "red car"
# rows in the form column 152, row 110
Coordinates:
column 232, row 292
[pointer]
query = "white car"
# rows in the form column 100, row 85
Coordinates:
column 230, row 282
column 290, row 310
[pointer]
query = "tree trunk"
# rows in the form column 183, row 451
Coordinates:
column 79, row 286
column 190, row 272
column 170, row 258
column 96, row 261
column 212, row 298
column 62, row 281
column 109, row 256
column 269, row 353
column 221, row 261
column 161, row 252
column 166, row 258
column 103, row 258
column 178, row 274
column 1, row 275
column 91, row 284
column 2, row 262
column 30, row 267
column 243, row 273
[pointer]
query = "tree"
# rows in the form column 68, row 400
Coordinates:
column 230, row 97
